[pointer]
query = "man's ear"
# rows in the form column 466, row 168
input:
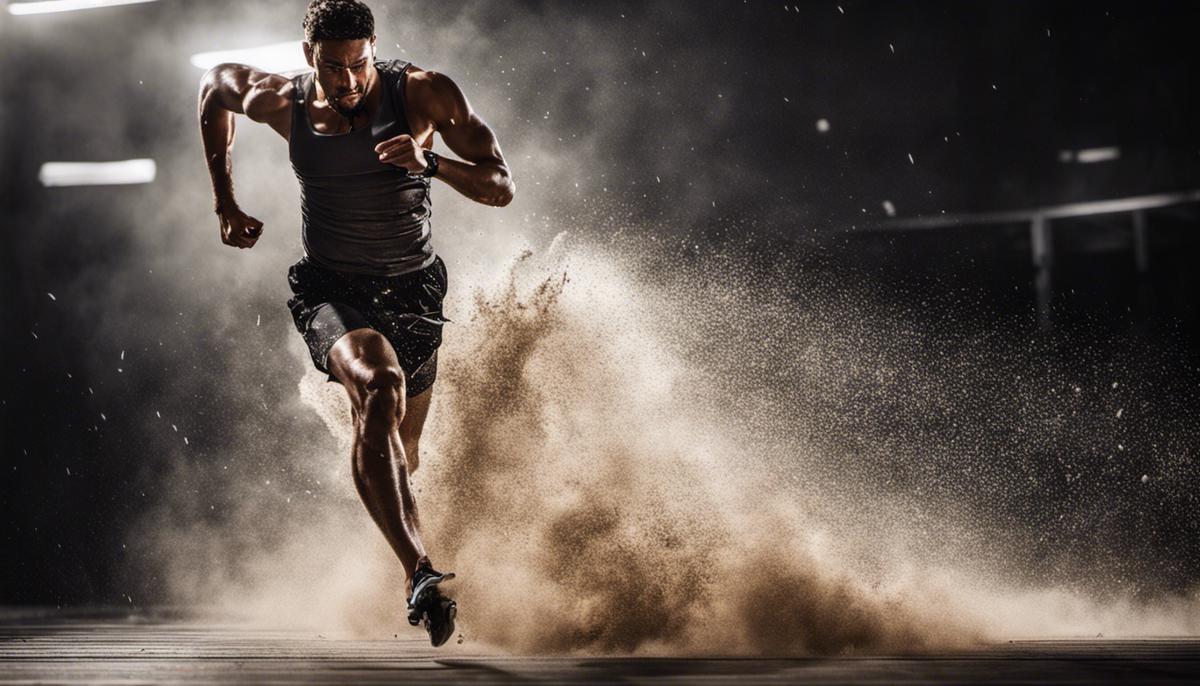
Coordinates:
column 308, row 53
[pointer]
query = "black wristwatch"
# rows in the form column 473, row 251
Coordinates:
column 431, row 164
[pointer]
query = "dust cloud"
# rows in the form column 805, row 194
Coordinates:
column 588, row 509
column 641, row 441
column 653, row 451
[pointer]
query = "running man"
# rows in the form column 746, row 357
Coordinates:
column 367, row 294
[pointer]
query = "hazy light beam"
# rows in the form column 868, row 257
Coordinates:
column 97, row 173
column 48, row 6
column 277, row 57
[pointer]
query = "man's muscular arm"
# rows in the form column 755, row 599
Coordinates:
column 484, row 176
column 225, row 90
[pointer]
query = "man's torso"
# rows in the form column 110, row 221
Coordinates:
column 360, row 215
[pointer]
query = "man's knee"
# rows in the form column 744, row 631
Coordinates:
column 383, row 378
column 381, row 389
column 364, row 361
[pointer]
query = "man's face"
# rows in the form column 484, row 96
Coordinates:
column 343, row 67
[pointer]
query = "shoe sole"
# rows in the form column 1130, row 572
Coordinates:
column 451, row 613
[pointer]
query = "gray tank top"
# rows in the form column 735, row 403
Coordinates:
column 360, row 215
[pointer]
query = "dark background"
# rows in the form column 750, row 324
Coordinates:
column 697, row 121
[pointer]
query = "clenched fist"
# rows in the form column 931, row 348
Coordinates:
column 403, row 152
column 238, row 228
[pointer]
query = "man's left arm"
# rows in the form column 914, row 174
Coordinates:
column 482, row 175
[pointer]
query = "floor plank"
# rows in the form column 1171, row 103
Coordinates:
column 163, row 647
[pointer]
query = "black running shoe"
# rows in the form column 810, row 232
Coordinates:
column 439, row 618
column 424, row 587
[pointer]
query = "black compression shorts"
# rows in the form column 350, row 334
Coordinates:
column 406, row 309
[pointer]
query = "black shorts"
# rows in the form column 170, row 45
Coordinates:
column 406, row 309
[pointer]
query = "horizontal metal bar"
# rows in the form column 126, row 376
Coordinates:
column 1079, row 209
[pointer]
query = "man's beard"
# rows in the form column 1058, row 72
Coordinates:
column 349, row 113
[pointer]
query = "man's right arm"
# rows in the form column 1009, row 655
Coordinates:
column 225, row 90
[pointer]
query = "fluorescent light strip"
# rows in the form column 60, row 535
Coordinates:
column 96, row 173
column 48, row 6
column 276, row 58
column 1089, row 155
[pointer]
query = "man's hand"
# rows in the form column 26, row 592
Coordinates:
column 238, row 228
column 403, row 152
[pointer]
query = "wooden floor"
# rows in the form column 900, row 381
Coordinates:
column 160, row 647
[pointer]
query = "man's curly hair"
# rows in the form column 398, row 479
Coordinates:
column 338, row 20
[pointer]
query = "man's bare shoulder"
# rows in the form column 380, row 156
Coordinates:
column 435, row 93
column 269, row 98
column 241, row 78
column 417, row 80
column 282, row 84
column 278, row 88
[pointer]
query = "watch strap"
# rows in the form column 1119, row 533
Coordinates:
column 431, row 160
